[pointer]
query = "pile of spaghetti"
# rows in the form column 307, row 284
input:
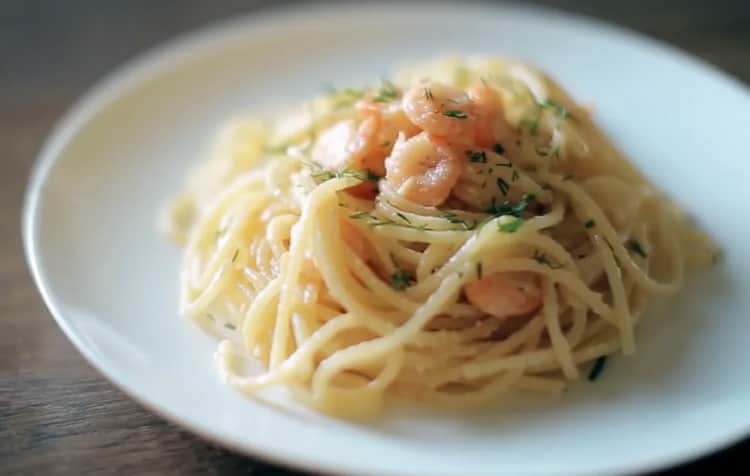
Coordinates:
column 462, row 231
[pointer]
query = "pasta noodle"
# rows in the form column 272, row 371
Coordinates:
column 463, row 231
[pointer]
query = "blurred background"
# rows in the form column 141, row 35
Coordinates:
column 57, row 415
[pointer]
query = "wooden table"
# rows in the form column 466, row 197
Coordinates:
column 57, row 415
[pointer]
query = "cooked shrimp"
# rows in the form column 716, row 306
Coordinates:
column 421, row 170
column 380, row 128
column 363, row 146
column 439, row 109
column 506, row 294
column 491, row 127
column 331, row 149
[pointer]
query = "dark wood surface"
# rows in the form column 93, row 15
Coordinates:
column 57, row 415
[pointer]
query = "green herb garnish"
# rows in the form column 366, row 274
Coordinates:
column 515, row 176
column 541, row 258
column 453, row 218
column 556, row 107
column 231, row 326
column 476, row 156
column 479, row 270
column 455, row 114
column 325, row 175
column 511, row 226
column 636, row 248
column 511, row 208
column 502, row 185
column 508, row 164
column 428, row 94
column 387, row 92
column 589, row 224
column 344, row 97
column 499, row 149
column 373, row 222
column 403, row 217
column 236, row 253
column 401, row 280
column 597, row 368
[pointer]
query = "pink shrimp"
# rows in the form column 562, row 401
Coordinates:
column 491, row 126
column 423, row 170
column 439, row 109
column 506, row 294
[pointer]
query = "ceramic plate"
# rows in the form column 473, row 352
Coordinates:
column 110, row 280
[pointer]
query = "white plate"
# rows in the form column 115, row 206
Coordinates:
column 110, row 279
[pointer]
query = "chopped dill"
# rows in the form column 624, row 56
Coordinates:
column 589, row 224
column 479, row 270
column 499, row 149
column 511, row 208
column 344, row 97
column 597, row 368
column 325, row 175
column 515, row 176
column 541, row 258
column 511, row 226
column 636, row 248
column 428, row 94
column 401, row 280
column 230, row 326
column 556, row 107
column 373, row 222
column 478, row 156
column 503, row 186
column 508, row 164
column 387, row 92
column 455, row 114
column 403, row 217
column 453, row 218
column 234, row 256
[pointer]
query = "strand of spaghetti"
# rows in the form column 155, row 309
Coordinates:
column 384, row 292
column 589, row 210
column 541, row 384
column 575, row 334
column 559, row 343
column 278, row 230
column 360, row 402
column 299, row 366
column 501, row 349
column 580, row 356
column 432, row 258
column 260, row 313
column 499, row 385
column 619, row 299
column 334, row 267
column 213, row 276
column 293, row 265
column 370, row 351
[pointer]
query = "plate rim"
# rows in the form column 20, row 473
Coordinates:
column 166, row 55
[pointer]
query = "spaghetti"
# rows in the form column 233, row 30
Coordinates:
column 458, row 233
